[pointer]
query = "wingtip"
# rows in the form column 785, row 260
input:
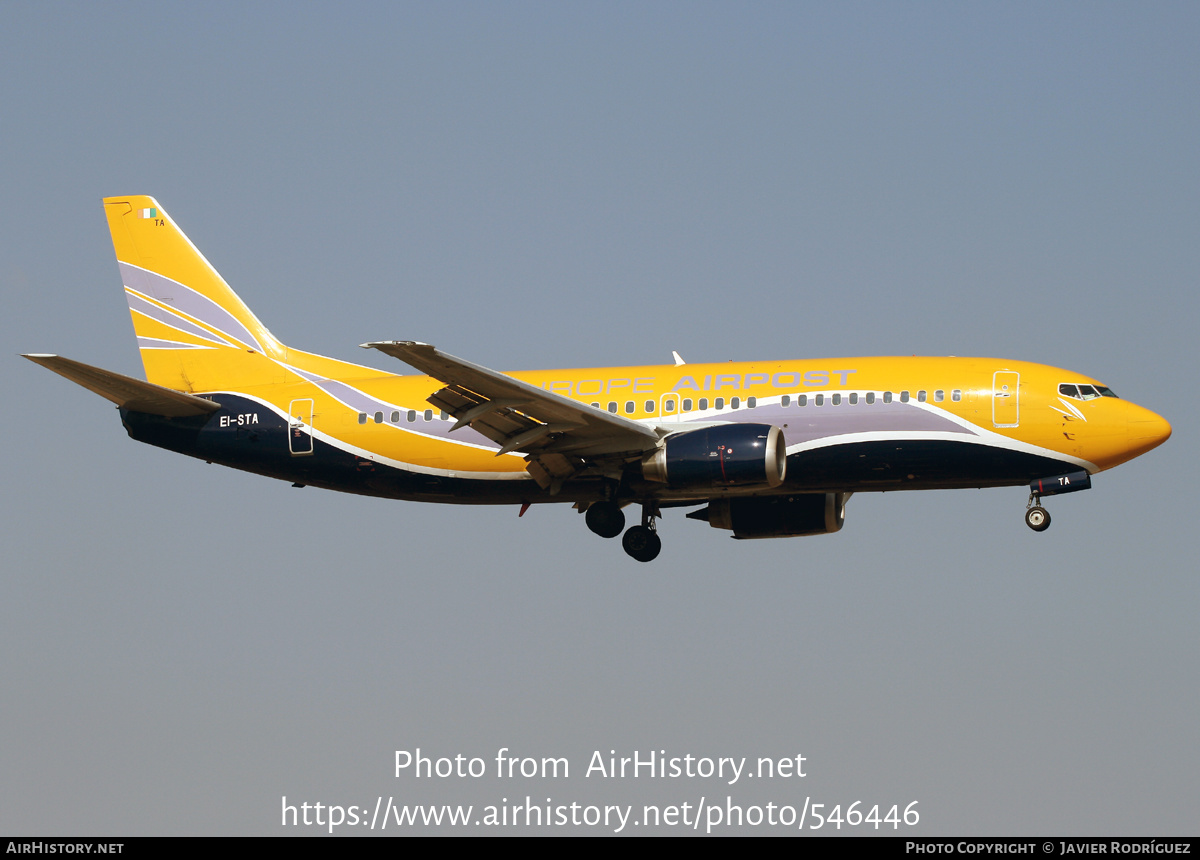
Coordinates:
column 378, row 344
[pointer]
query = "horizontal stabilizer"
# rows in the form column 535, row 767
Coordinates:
column 127, row 392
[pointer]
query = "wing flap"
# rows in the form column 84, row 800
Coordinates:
column 495, row 419
column 519, row 416
column 125, row 391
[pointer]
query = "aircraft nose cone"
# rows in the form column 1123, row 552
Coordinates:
column 1147, row 430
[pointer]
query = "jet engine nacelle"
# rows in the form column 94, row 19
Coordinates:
column 777, row 516
column 727, row 455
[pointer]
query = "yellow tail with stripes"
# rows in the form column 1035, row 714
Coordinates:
column 193, row 331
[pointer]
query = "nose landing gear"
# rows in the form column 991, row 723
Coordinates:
column 1036, row 517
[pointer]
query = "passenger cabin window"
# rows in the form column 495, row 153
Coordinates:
column 362, row 418
column 836, row 400
column 649, row 407
column 870, row 397
column 956, row 395
column 938, row 396
column 785, row 400
column 719, row 403
column 751, row 402
column 612, row 407
column 703, row 402
column 853, row 397
column 903, row 396
column 887, row 397
column 687, row 404
column 820, row 400
column 735, row 402
column 412, row 415
column 428, row 414
column 378, row 417
column 395, row 417
column 802, row 400
column 595, row 405
column 629, row 407
column 669, row 405
column 921, row 396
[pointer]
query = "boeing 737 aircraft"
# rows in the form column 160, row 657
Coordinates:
column 762, row 449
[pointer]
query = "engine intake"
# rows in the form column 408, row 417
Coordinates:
column 728, row 455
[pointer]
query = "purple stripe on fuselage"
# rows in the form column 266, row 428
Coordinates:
column 807, row 423
column 188, row 301
column 800, row 424
column 361, row 402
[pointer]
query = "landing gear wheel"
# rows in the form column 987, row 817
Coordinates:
column 641, row 543
column 605, row 519
column 1037, row 518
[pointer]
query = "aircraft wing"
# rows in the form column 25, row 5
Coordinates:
column 559, row 436
column 125, row 391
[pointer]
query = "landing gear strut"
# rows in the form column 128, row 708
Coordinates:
column 1036, row 517
column 642, row 542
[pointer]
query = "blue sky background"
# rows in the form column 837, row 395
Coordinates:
column 540, row 185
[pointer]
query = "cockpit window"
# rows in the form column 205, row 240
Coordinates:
column 1084, row 392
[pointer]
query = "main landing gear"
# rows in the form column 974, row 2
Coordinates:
column 641, row 542
column 1036, row 517
column 605, row 519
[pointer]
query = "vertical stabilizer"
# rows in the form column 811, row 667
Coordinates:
column 193, row 331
